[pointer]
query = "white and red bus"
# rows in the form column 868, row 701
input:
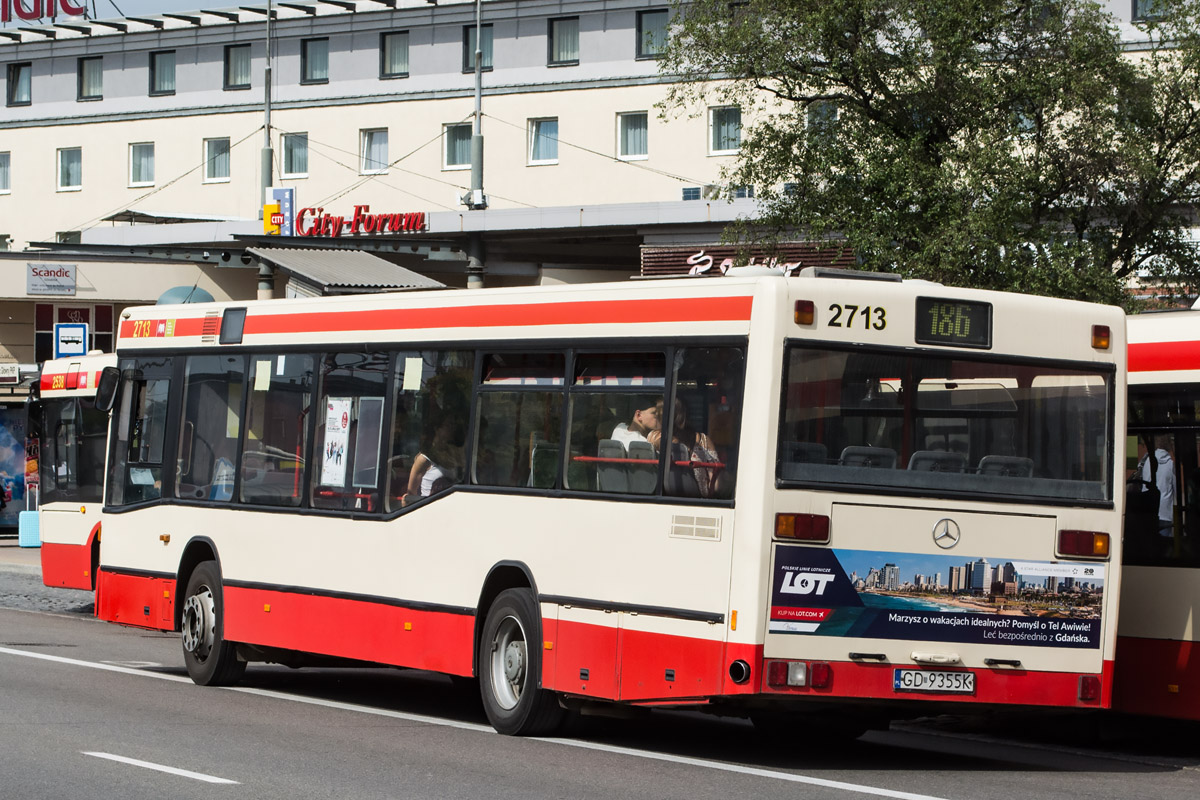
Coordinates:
column 1158, row 672
column 756, row 495
column 72, row 435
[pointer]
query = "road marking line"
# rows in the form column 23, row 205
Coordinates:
column 160, row 768
column 721, row 766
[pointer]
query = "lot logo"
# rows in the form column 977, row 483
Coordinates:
column 805, row 583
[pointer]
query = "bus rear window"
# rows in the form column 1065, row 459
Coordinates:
column 936, row 424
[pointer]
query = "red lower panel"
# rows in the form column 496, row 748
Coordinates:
column 347, row 628
column 1004, row 686
column 1158, row 677
column 68, row 565
column 585, row 661
column 145, row 602
column 656, row 666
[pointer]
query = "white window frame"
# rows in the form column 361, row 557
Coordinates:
column 132, row 182
column 58, row 156
column 363, row 138
column 284, row 146
column 621, row 117
column 208, row 161
column 712, row 115
column 532, row 128
column 446, row 128
column 6, row 156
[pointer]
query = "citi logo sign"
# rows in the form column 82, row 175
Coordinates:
column 805, row 583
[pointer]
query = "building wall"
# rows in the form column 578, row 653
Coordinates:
column 585, row 98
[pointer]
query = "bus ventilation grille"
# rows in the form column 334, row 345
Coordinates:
column 686, row 527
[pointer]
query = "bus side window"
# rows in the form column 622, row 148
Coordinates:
column 349, row 430
column 617, row 422
column 276, row 438
column 210, row 427
column 705, row 422
column 520, row 413
column 140, row 428
column 431, row 408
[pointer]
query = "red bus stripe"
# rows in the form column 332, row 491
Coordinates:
column 590, row 312
column 1162, row 356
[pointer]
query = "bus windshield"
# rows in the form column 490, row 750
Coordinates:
column 932, row 423
column 71, row 464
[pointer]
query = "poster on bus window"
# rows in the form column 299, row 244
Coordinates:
column 337, row 440
column 883, row 595
column 12, row 464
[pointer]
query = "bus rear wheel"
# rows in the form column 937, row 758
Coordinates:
column 210, row 660
column 510, row 665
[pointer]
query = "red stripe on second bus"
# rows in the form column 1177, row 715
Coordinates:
column 1158, row 677
column 1164, row 356
column 68, row 565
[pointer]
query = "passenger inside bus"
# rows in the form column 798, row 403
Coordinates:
column 644, row 426
column 439, row 464
column 700, row 475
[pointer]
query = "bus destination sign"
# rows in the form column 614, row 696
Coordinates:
column 955, row 323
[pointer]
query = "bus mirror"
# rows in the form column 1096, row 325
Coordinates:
column 106, row 388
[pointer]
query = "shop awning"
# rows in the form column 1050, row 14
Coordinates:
column 343, row 271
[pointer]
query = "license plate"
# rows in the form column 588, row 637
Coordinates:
column 927, row 680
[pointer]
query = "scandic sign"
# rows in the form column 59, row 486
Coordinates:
column 31, row 10
column 315, row 222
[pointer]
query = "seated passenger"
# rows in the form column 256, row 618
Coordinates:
column 645, row 426
column 438, row 465
column 700, row 450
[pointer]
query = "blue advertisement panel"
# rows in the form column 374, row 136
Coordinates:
column 12, row 464
column 884, row 595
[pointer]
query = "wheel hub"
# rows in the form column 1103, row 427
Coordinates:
column 199, row 624
column 514, row 662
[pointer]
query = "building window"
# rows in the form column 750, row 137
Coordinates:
column 70, row 169
column 373, row 158
column 564, row 42
column 1148, row 9
column 295, row 155
column 469, row 48
column 393, row 55
column 458, row 146
column 5, row 173
column 141, row 164
column 90, row 83
column 651, row 33
column 632, row 131
column 743, row 192
column 725, row 130
column 216, row 160
column 543, row 141
column 314, row 61
column 19, row 80
column 68, row 237
column 691, row 193
column 162, row 72
column 237, row 66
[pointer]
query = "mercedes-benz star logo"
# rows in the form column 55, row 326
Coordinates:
column 946, row 533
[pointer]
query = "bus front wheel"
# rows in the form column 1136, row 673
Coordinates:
column 510, row 665
column 210, row 660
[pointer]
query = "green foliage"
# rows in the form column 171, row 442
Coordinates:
column 1006, row 144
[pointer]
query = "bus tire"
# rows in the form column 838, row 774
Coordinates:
column 210, row 660
column 510, row 664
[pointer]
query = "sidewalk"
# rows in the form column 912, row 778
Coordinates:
column 12, row 553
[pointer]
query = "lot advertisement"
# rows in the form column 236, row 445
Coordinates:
column 886, row 595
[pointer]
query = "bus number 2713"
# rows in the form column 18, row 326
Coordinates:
column 871, row 317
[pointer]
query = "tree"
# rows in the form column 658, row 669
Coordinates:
column 1012, row 144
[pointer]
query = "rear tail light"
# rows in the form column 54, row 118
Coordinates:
column 820, row 675
column 806, row 312
column 1089, row 688
column 1101, row 337
column 805, row 527
column 1091, row 544
column 782, row 674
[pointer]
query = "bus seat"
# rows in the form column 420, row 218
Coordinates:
column 642, row 476
column 859, row 456
column 543, row 465
column 1006, row 466
column 681, row 480
column 611, row 477
column 937, row 461
column 805, row 452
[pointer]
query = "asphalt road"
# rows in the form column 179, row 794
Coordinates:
column 98, row 711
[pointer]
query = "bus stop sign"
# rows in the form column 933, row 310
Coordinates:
column 70, row 339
